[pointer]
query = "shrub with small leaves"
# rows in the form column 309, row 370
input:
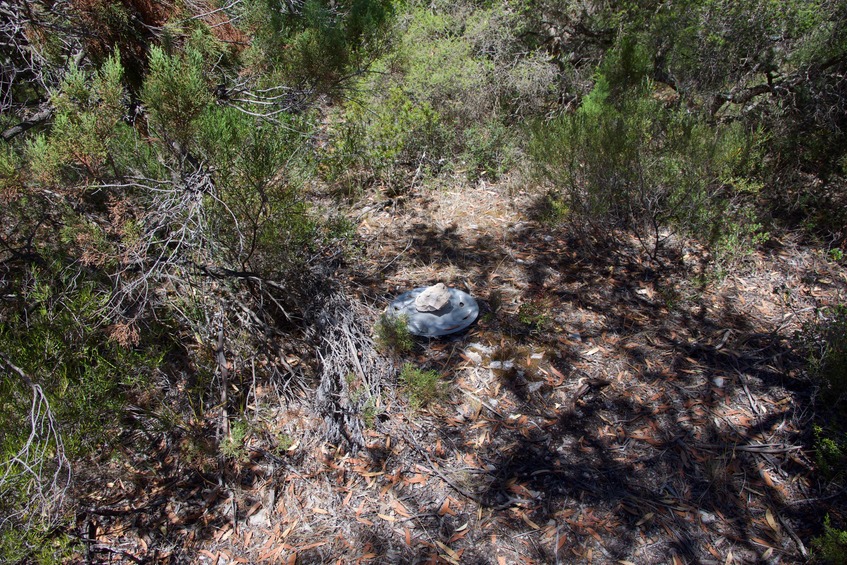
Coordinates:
column 392, row 334
column 233, row 446
column 422, row 386
column 533, row 315
column 828, row 351
column 831, row 547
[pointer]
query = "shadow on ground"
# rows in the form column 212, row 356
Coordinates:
column 666, row 422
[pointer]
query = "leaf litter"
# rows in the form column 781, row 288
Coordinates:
column 637, row 418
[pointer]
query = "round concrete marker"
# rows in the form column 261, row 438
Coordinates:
column 454, row 314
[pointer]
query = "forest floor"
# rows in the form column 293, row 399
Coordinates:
column 601, row 410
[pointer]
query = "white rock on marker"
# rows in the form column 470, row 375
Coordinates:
column 433, row 298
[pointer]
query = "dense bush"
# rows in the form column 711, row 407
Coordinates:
column 628, row 160
column 826, row 344
column 831, row 547
column 148, row 210
column 447, row 97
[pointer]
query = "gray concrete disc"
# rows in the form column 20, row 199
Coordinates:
column 456, row 315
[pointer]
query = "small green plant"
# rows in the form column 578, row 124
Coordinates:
column 830, row 455
column 552, row 209
column 831, row 547
column 835, row 255
column 369, row 413
column 532, row 315
column 283, row 442
column 39, row 543
column 392, row 334
column 422, row 386
column 233, row 446
column 828, row 356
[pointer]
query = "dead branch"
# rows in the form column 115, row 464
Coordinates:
column 352, row 372
column 751, row 447
column 40, row 465
column 221, row 359
column 38, row 118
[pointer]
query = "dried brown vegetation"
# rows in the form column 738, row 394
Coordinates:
column 654, row 420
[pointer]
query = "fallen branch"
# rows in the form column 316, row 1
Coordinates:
column 751, row 447
column 352, row 372
column 221, row 359
column 38, row 118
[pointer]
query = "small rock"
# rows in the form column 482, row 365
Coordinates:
column 483, row 349
column 433, row 298
column 534, row 387
column 475, row 357
column 706, row 517
column 259, row 519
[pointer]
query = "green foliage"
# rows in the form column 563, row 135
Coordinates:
column 259, row 216
column 176, row 93
column 625, row 160
column 370, row 411
column 828, row 352
column 830, row 453
column 10, row 168
column 403, row 130
column 422, row 386
column 55, row 331
column 316, row 44
column 392, row 334
column 58, row 337
column 232, row 447
column 445, row 98
column 533, row 315
column 831, row 547
column 283, row 442
column 39, row 544
column 488, row 150
column 86, row 129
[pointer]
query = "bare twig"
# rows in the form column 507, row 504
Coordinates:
column 40, row 465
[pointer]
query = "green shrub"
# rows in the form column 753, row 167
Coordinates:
column 422, row 386
column 392, row 334
column 176, row 93
column 232, row 447
column 55, row 331
column 445, row 98
column 831, row 547
column 40, row 544
column 259, row 169
column 830, row 453
column 533, row 315
column 827, row 342
column 488, row 150
column 317, row 43
column 627, row 161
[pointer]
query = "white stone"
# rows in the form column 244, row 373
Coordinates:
column 475, row 357
column 433, row 298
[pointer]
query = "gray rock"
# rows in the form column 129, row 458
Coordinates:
column 433, row 298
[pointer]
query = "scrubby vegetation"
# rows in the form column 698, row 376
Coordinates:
column 185, row 246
